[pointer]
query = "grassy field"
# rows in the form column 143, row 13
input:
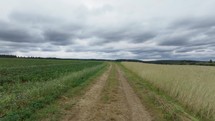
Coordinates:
column 32, row 89
column 23, row 70
column 27, row 85
column 191, row 86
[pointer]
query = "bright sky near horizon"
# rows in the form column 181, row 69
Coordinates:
column 109, row 29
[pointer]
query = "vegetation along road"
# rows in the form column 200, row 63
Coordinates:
column 78, row 90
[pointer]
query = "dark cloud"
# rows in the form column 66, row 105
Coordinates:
column 142, row 37
column 210, row 32
column 93, row 49
column 50, row 49
column 195, row 23
column 10, row 48
column 58, row 37
column 150, row 50
column 189, row 49
column 126, row 34
column 107, row 30
column 174, row 41
column 15, row 35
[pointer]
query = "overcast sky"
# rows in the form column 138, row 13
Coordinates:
column 109, row 29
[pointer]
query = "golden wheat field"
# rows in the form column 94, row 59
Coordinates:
column 192, row 86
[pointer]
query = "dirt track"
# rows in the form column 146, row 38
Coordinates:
column 123, row 106
column 82, row 110
column 138, row 112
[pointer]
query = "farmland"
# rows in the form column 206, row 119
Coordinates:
column 82, row 90
column 29, row 84
column 191, row 86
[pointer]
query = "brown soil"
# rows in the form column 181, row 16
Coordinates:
column 123, row 106
column 138, row 111
column 115, row 108
column 83, row 108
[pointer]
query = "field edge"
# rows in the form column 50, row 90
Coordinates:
column 57, row 109
column 157, row 102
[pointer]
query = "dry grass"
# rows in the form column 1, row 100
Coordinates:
column 192, row 86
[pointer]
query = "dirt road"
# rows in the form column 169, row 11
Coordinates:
column 138, row 111
column 111, row 98
column 82, row 110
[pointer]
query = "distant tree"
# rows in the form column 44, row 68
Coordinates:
column 210, row 61
column 7, row 56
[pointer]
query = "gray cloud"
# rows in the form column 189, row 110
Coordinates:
column 11, row 32
column 14, row 35
column 50, row 49
column 108, row 29
column 196, row 22
column 33, row 18
column 127, row 33
column 58, row 37
column 142, row 37
column 174, row 41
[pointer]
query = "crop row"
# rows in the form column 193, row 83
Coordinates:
column 22, row 100
column 21, row 62
column 40, row 73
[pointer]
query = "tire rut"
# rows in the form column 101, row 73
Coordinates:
column 115, row 108
column 138, row 111
column 124, row 104
column 82, row 109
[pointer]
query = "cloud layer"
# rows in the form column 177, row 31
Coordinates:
column 109, row 29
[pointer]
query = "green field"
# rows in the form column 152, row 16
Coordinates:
column 47, row 89
column 27, row 85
